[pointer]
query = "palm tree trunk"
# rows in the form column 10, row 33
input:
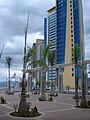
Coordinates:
column 76, row 83
column 43, row 86
column 52, row 92
column 83, row 103
column 9, row 89
column 23, row 103
column 29, row 82
column 36, row 84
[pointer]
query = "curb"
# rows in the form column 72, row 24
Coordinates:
column 26, row 118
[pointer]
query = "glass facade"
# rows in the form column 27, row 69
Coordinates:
column 76, row 30
column 51, row 37
column 76, row 22
column 45, row 31
column 52, row 29
column 61, row 13
column 58, row 27
column 61, row 10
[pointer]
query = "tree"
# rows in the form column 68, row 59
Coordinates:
column 30, row 57
column 8, row 62
column 23, row 103
column 83, row 103
column 31, row 62
column 51, row 58
column 44, row 66
column 76, row 60
column 76, row 52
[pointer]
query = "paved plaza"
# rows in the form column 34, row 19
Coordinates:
column 61, row 108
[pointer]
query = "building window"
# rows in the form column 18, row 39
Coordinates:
column 71, row 26
column 71, row 22
column 70, row 9
column 71, row 14
column 72, row 45
column 71, row 31
column 71, row 35
column 72, row 69
column 71, row 40
column 70, row 1
column 72, row 74
column 70, row 5
column 71, row 18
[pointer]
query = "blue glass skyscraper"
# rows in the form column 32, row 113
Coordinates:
column 65, row 25
column 69, row 31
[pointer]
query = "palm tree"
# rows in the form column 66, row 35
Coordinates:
column 44, row 66
column 51, row 58
column 76, row 60
column 31, row 62
column 30, row 57
column 23, row 103
column 83, row 103
column 8, row 62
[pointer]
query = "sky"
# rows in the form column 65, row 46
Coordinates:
column 13, row 17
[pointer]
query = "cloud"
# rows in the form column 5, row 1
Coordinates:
column 86, row 17
column 13, row 17
column 15, row 48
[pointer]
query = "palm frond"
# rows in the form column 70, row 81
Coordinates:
column 9, row 61
column 76, row 54
column 51, row 57
column 46, row 49
column 30, row 55
column 2, row 51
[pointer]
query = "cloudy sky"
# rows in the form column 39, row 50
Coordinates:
column 13, row 15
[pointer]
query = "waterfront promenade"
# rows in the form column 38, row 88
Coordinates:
column 62, row 108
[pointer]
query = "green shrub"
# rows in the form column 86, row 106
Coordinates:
column 40, row 99
column 50, row 99
column 29, row 105
column 88, row 102
column 35, row 109
column 15, row 106
column 35, row 93
column 27, row 95
column 3, row 101
column 51, row 94
column 56, row 95
column 23, row 112
column 12, row 93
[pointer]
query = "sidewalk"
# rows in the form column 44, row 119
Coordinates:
column 62, row 108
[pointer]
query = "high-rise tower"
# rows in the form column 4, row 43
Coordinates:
column 51, row 22
column 69, row 31
column 65, row 25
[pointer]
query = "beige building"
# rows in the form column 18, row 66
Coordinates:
column 38, row 48
column 72, row 32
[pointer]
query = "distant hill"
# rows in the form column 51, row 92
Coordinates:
column 5, row 84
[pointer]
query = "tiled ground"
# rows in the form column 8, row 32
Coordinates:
column 62, row 108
